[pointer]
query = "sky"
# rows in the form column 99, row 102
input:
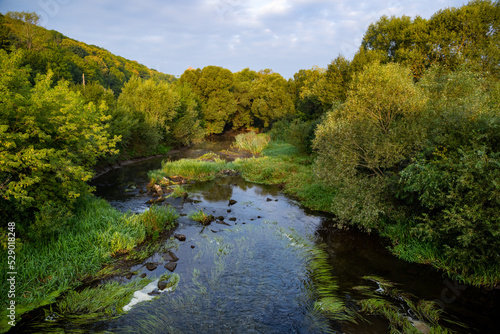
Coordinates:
column 172, row 35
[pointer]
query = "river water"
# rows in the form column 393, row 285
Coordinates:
column 251, row 274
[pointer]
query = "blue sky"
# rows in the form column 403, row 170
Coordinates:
column 171, row 35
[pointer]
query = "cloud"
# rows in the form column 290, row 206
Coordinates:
column 284, row 35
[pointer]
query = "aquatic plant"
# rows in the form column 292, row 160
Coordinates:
column 404, row 312
column 201, row 217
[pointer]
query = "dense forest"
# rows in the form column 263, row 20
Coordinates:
column 404, row 137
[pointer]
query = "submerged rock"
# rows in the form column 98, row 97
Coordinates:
column 268, row 199
column 170, row 266
column 232, row 219
column 180, row 237
column 223, row 223
column 220, row 218
column 170, row 256
column 143, row 275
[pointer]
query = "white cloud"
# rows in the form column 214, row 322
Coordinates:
column 285, row 35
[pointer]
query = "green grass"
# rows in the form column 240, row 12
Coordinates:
column 96, row 233
column 252, row 142
column 413, row 249
column 105, row 301
column 191, row 169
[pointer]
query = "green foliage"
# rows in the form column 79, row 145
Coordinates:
column 451, row 37
column 50, row 139
column 272, row 98
column 252, row 142
column 361, row 143
column 452, row 184
column 201, row 217
column 295, row 131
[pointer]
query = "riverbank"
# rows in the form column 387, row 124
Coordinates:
column 94, row 236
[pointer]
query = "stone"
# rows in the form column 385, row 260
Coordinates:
column 170, row 256
column 213, row 231
column 180, row 237
column 151, row 266
column 228, row 210
column 129, row 275
column 268, row 199
column 143, row 275
column 232, row 219
column 162, row 285
column 220, row 218
column 170, row 266
column 223, row 223
column 192, row 246
column 232, row 202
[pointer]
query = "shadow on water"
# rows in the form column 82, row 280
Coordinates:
column 245, row 274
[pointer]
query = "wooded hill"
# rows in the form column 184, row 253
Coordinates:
column 67, row 58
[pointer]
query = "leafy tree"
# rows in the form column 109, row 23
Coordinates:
column 28, row 30
column 50, row 139
column 361, row 143
column 187, row 125
column 243, row 82
column 452, row 184
column 272, row 98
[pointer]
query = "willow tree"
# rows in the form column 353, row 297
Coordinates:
column 362, row 143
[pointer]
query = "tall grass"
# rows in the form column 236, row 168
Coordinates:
column 252, row 142
column 192, row 169
column 96, row 232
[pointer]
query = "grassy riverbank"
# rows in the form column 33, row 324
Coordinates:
column 94, row 235
column 282, row 164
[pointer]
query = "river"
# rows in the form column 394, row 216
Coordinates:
column 250, row 273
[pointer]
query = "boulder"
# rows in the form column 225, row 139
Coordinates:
column 151, row 266
column 170, row 256
column 170, row 266
column 180, row 237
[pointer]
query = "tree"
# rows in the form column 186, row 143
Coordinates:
column 50, row 140
column 451, row 186
column 272, row 98
column 153, row 105
column 243, row 82
column 28, row 29
column 362, row 143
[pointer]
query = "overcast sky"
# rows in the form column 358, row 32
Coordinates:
column 171, row 35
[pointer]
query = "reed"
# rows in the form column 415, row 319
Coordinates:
column 252, row 142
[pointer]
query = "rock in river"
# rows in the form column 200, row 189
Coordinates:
column 151, row 266
column 180, row 237
column 232, row 202
column 170, row 256
column 170, row 266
